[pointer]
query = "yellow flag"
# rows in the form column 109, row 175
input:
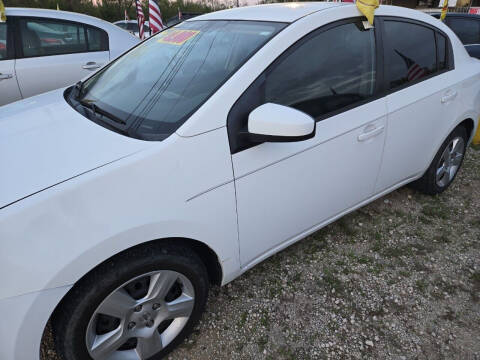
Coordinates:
column 3, row 17
column 444, row 9
column 476, row 138
column 367, row 8
column 58, row 7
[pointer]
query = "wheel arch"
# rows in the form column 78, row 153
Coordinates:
column 208, row 256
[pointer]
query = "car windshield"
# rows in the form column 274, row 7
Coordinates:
column 150, row 91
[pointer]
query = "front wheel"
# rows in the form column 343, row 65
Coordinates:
column 137, row 306
column 445, row 165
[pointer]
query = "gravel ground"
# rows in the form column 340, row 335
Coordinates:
column 397, row 279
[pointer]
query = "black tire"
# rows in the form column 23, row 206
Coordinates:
column 427, row 184
column 71, row 318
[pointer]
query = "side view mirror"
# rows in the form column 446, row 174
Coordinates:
column 277, row 123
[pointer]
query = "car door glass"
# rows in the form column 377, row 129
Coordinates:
column 97, row 39
column 46, row 37
column 467, row 30
column 327, row 72
column 412, row 55
column 3, row 41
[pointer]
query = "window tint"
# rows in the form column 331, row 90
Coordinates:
column 329, row 71
column 122, row 25
column 41, row 38
column 97, row 39
column 442, row 51
column 410, row 53
column 467, row 30
column 3, row 41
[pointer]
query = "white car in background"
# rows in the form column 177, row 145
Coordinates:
column 42, row 50
column 205, row 150
column 132, row 27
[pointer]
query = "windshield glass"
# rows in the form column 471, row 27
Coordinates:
column 149, row 92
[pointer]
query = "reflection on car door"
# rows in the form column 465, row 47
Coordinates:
column 56, row 53
column 422, row 102
column 285, row 190
column 9, row 90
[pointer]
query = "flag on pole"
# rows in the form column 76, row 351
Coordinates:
column 414, row 71
column 476, row 138
column 444, row 10
column 126, row 16
column 155, row 17
column 367, row 8
column 180, row 16
column 3, row 17
column 140, row 19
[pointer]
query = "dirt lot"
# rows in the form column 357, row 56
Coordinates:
column 398, row 279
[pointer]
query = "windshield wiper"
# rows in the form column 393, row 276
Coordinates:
column 96, row 110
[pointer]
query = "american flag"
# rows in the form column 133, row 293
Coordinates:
column 140, row 19
column 155, row 17
column 414, row 71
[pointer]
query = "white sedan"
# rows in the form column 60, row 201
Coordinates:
column 205, row 150
column 42, row 50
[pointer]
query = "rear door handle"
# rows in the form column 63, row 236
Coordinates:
column 91, row 65
column 370, row 131
column 450, row 95
column 5, row 76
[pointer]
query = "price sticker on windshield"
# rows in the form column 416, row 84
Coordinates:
column 177, row 37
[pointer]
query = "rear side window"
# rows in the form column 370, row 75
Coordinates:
column 328, row 71
column 410, row 52
column 45, row 37
column 3, row 41
column 97, row 39
column 467, row 30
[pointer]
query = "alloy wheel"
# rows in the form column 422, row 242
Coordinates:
column 141, row 317
column 450, row 161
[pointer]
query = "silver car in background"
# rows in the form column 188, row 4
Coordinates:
column 43, row 50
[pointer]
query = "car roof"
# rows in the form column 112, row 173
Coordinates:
column 281, row 12
column 466, row 15
column 57, row 14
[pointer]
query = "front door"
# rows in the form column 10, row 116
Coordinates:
column 286, row 189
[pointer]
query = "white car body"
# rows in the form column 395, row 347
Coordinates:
column 27, row 76
column 132, row 27
column 73, row 193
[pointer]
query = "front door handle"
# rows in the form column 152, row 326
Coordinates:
column 91, row 65
column 5, row 76
column 370, row 131
column 449, row 96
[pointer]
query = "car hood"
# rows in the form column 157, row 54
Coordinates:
column 44, row 141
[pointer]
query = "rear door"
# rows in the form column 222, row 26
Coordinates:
column 56, row 53
column 9, row 90
column 422, row 98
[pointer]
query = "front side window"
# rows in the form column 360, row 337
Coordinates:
column 3, row 41
column 410, row 52
column 150, row 91
column 327, row 72
column 468, row 31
